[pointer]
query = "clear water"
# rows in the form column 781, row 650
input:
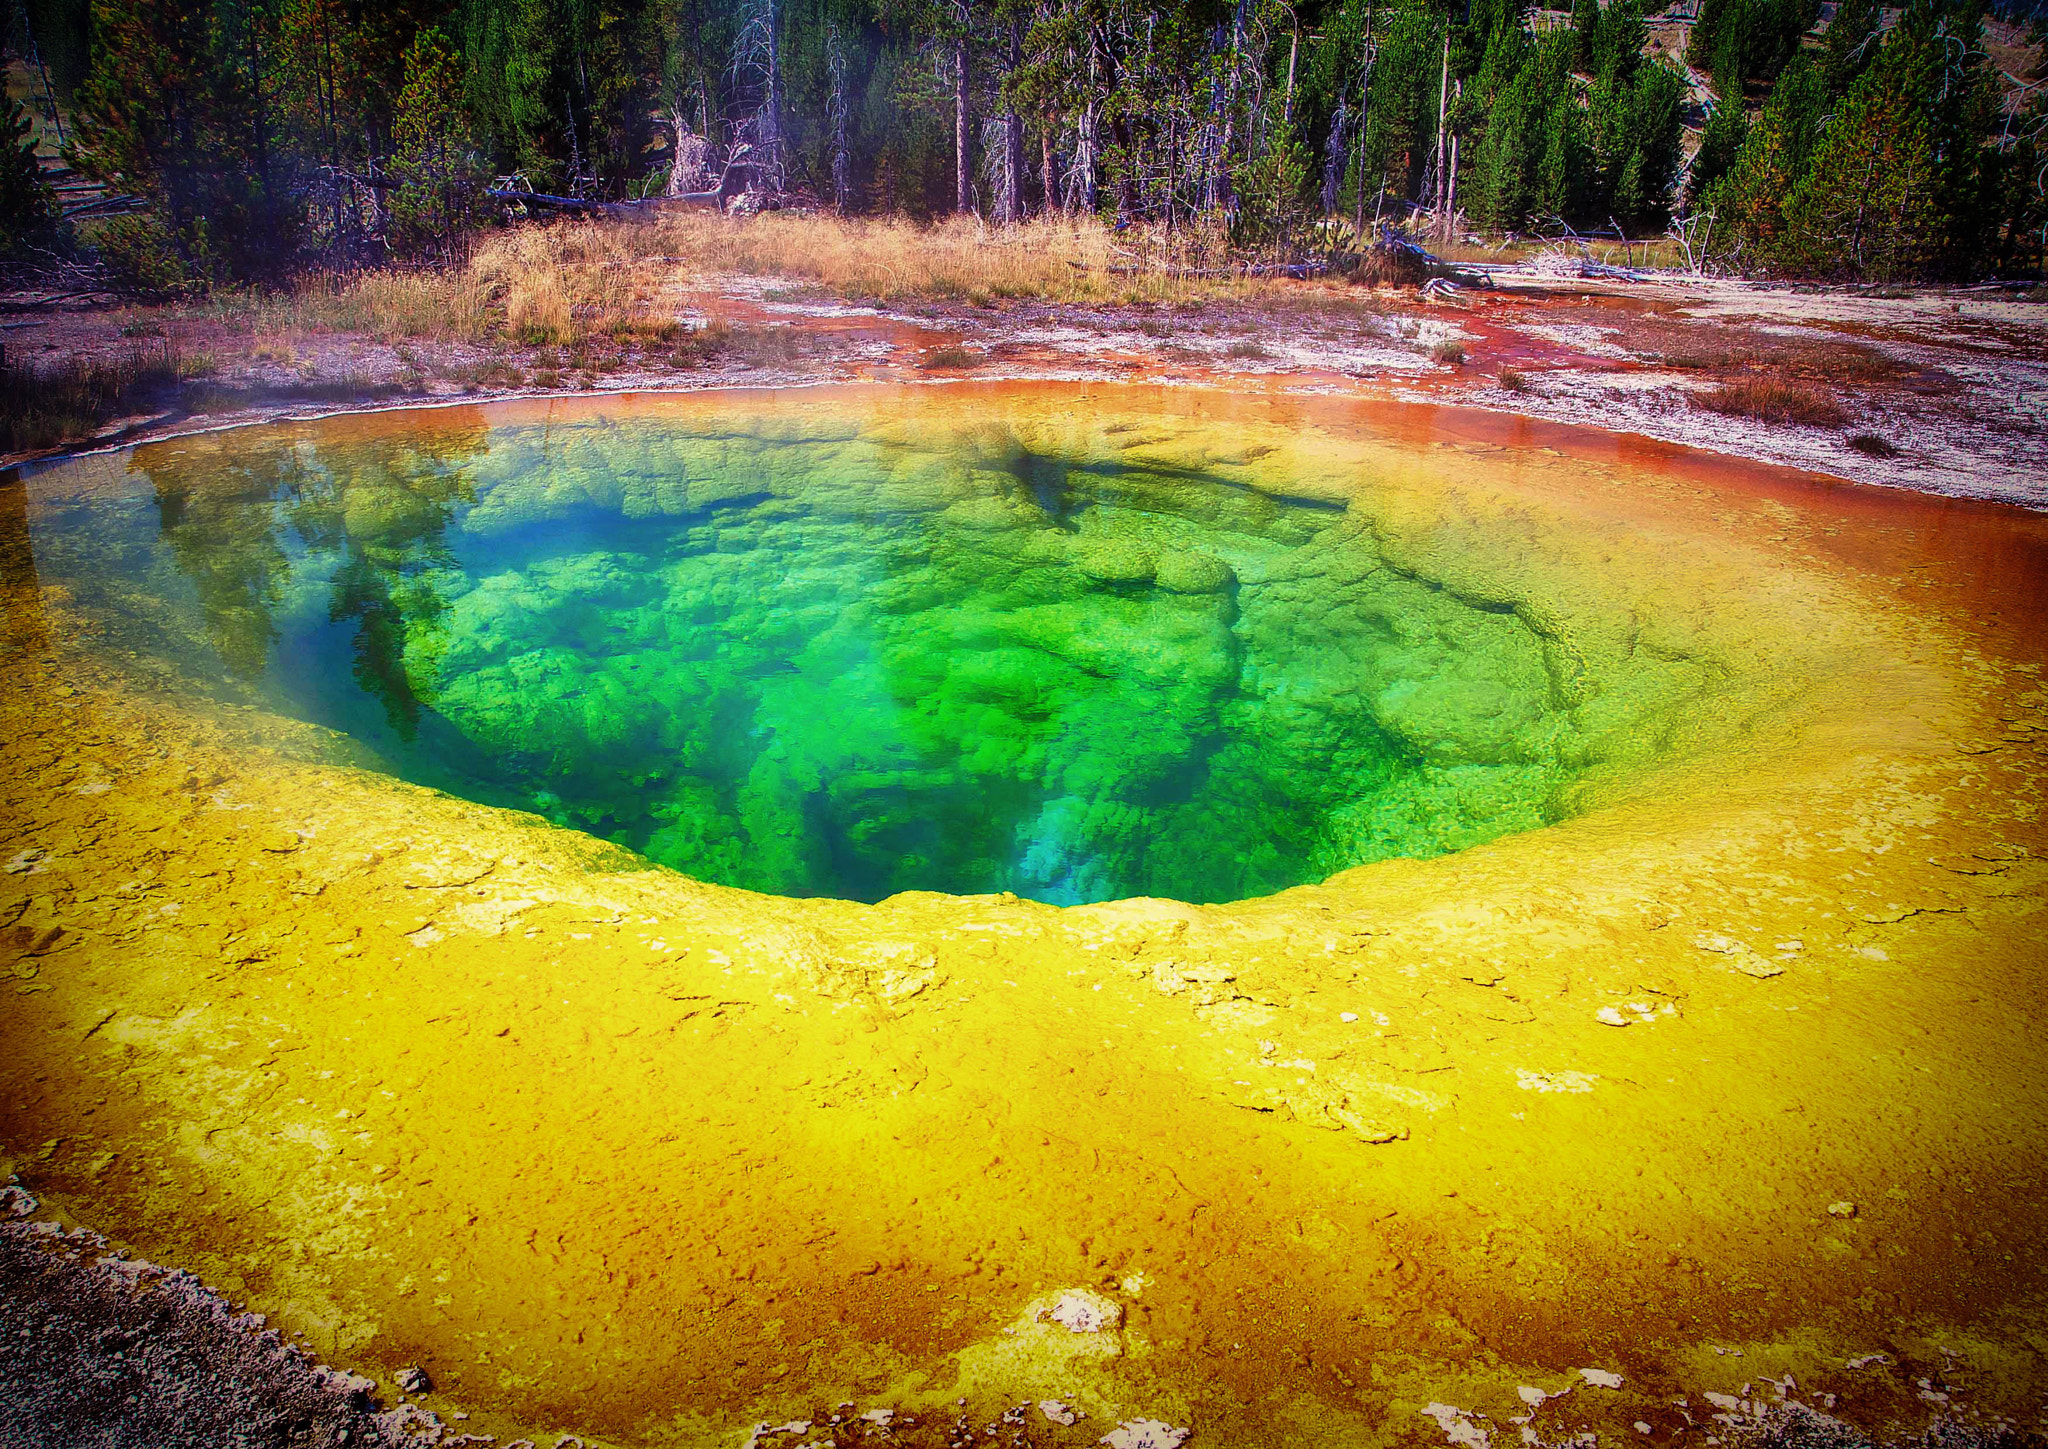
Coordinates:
column 817, row 662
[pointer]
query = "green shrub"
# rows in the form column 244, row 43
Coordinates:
column 144, row 256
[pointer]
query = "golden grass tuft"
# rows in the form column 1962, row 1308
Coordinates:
column 1774, row 397
column 387, row 305
column 1057, row 259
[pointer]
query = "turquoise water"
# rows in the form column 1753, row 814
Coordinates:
column 812, row 661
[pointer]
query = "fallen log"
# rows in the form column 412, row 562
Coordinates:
column 39, row 303
column 652, row 206
column 1394, row 261
column 1298, row 270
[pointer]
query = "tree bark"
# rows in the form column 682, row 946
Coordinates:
column 1126, row 183
column 1333, row 158
column 1089, row 147
column 1053, row 200
column 778, row 180
column 1013, row 146
column 1287, row 105
column 1220, row 194
column 1365, row 123
column 1450, row 196
column 1443, row 99
column 963, row 143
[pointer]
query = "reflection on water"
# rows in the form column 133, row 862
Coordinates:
column 841, row 664
column 20, row 590
column 375, row 514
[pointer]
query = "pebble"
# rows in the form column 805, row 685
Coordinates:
column 1144, row 1434
column 1457, row 1425
column 1083, row 1312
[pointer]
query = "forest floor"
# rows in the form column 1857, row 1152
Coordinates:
column 1940, row 390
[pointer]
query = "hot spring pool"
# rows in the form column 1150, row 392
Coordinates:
column 817, row 660
column 1384, row 909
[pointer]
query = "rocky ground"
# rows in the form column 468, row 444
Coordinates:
column 101, row 1352
column 1941, row 390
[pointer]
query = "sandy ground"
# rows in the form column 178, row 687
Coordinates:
column 1953, row 384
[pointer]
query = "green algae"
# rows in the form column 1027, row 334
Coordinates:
column 815, row 656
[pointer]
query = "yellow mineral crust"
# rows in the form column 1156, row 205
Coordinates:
column 1744, row 1057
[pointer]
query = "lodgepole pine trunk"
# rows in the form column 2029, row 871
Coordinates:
column 963, row 165
column 1053, row 200
column 1013, row 145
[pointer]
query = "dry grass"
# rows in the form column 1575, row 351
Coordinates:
column 1774, row 397
column 450, row 305
column 1512, row 381
column 954, row 358
column 1656, row 252
column 43, row 406
column 568, row 283
column 1057, row 259
column 1872, row 446
column 573, row 282
column 1448, row 353
column 619, row 285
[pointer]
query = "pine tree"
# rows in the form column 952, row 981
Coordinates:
column 1783, row 28
column 1560, row 181
column 1703, row 45
column 1726, row 65
column 1401, row 116
column 1588, row 24
column 1850, row 44
column 1721, row 142
column 1618, row 45
column 518, row 88
column 433, row 155
column 2023, row 204
column 1511, row 96
column 1752, row 198
column 164, row 114
column 27, row 204
column 1902, row 185
column 1654, row 132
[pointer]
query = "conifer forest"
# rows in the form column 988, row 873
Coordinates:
column 1778, row 137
